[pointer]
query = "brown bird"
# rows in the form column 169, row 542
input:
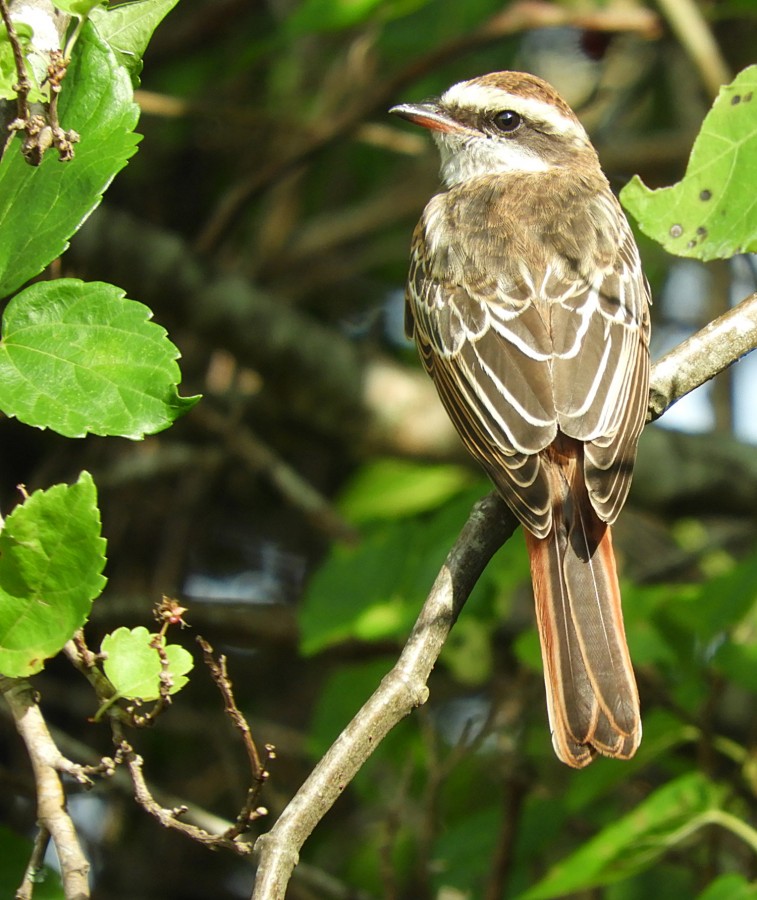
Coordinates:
column 530, row 311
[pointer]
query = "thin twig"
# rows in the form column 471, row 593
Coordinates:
column 168, row 818
column 259, row 768
column 41, row 131
column 63, row 140
column 24, row 85
column 34, row 866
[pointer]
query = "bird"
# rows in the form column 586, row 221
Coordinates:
column 530, row 311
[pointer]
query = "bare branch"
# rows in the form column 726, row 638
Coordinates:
column 47, row 762
column 259, row 768
column 33, row 867
column 168, row 818
column 702, row 356
column 24, row 85
column 38, row 121
column 489, row 525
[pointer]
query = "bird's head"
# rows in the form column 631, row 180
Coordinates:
column 502, row 123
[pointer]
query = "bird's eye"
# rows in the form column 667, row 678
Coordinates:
column 507, row 120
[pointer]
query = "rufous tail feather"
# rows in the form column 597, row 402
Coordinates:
column 592, row 699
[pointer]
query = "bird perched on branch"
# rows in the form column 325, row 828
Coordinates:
column 529, row 307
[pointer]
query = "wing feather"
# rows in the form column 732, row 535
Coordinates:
column 538, row 348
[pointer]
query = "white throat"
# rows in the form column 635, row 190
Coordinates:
column 464, row 158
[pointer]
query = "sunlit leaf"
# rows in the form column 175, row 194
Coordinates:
column 390, row 488
column 79, row 8
column 42, row 206
column 729, row 887
column 133, row 665
column 51, row 560
column 80, row 358
column 669, row 815
column 127, row 28
column 712, row 212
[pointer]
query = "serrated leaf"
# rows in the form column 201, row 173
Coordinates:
column 51, row 559
column 625, row 847
column 129, row 27
column 712, row 212
column 35, row 224
column 81, row 359
column 133, row 665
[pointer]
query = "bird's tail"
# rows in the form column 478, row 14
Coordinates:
column 592, row 699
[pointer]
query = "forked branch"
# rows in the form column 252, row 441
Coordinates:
column 489, row 526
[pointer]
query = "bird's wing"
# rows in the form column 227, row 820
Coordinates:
column 490, row 361
column 515, row 361
column 601, row 372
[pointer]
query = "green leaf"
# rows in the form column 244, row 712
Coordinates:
column 729, row 887
column 51, row 560
column 35, row 223
column 129, row 27
column 465, row 849
column 668, row 816
column 357, row 594
column 80, row 8
column 8, row 73
column 80, row 358
column 133, row 665
column 712, row 212
column 390, row 488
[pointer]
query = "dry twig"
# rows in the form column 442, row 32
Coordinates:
column 258, row 767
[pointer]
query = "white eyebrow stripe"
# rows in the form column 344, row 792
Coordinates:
column 483, row 97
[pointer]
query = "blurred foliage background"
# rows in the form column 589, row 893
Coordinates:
column 302, row 510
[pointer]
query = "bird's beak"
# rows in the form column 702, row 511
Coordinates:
column 427, row 115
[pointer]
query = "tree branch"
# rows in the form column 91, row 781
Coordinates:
column 702, row 356
column 489, row 525
column 47, row 762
